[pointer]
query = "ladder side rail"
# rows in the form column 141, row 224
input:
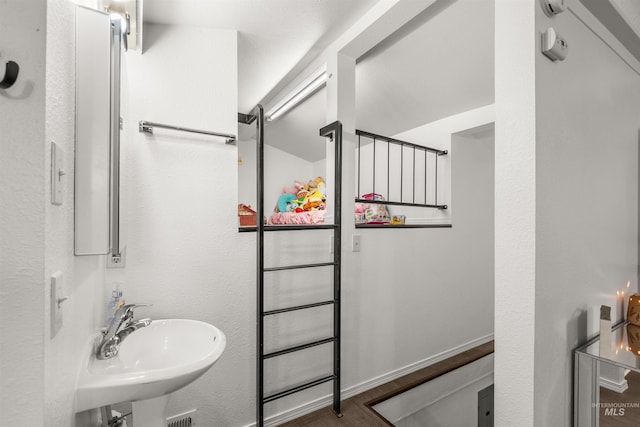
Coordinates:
column 258, row 113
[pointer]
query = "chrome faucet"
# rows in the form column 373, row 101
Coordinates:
column 121, row 327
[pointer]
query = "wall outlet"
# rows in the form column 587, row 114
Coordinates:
column 117, row 261
column 355, row 243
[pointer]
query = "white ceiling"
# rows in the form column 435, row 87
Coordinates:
column 273, row 35
column 440, row 64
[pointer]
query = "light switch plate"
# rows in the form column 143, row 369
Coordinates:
column 57, row 173
column 355, row 243
column 57, row 289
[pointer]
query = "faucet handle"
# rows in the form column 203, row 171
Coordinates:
column 127, row 309
column 125, row 313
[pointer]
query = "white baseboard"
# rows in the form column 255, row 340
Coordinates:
column 348, row 392
column 618, row 387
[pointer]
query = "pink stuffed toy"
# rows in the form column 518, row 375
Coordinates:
column 297, row 186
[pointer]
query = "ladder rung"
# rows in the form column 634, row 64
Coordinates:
column 293, row 267
column 298, row 388
column 297, row 307
column 299, row 227
column 298, row 348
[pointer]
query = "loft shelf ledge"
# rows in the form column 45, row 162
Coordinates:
column 388, row 202
column 396, row 226
column 289, row 227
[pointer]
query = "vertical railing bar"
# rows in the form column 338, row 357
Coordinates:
column 359, row 155
column 401, row 170
column 413, row 183
column 425, row 176
column 388, row 168
column 436, row 189
column 374, row 167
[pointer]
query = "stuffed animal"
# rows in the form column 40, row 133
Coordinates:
column 301, row 196
column 297, row 186
column 313, row 200
column 321, row 186
column 285, row 202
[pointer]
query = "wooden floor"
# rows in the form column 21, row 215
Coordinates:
column 357, row 410
column 631, row 397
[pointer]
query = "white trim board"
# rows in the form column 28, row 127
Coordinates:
column 618, row 387
column 353, row 390
column 607, row 37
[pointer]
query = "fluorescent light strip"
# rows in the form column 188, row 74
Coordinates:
column 294, row 98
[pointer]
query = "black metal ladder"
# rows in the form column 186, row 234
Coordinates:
column 334, row 132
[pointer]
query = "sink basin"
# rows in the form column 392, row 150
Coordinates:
column 153, row 361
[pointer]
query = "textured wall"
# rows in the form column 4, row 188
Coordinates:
column 22, row 225
column 83, row 276
column 587, row 121
column 184, row 252
column 566, row 203
column 515, row 211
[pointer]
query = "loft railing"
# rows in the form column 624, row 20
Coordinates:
column 404, row 173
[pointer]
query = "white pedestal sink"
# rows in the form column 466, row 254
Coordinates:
column 152, row 363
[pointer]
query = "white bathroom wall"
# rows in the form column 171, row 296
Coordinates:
column 38, row 371
column 22, row 210
column 587, row 124
column 184, row 252
column 83, row 312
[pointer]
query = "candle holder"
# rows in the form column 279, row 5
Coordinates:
column 633, row 310
column 633, row 338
